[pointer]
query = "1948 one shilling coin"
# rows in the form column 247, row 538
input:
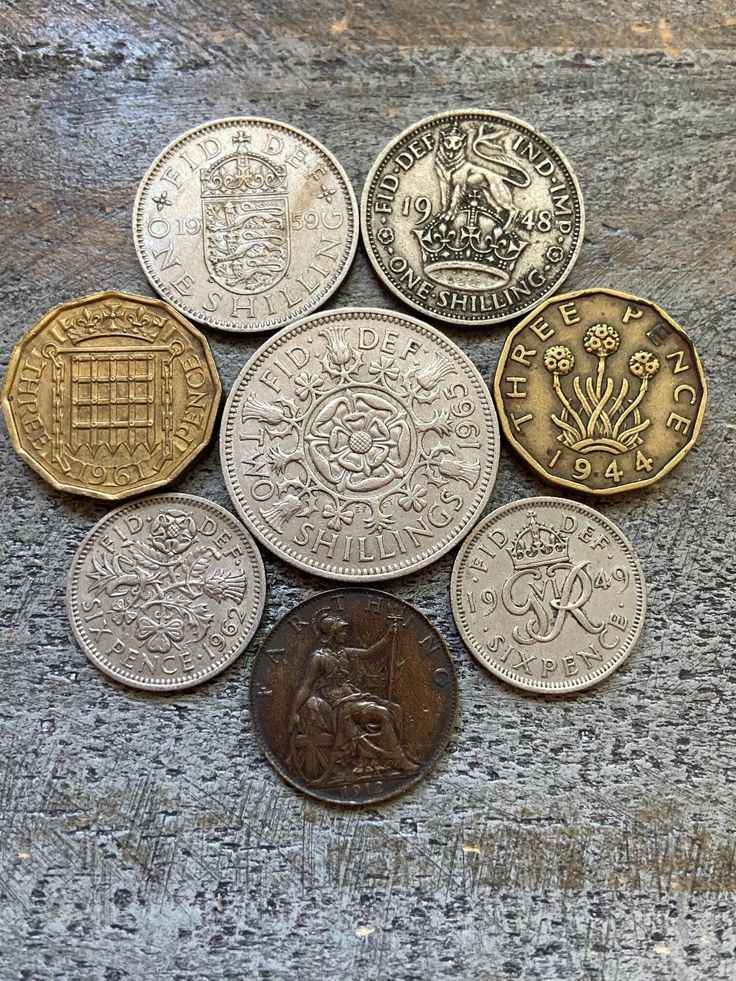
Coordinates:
column 472, row 216
column 359, row 444
column 166, row 592
column 245, row 224
column 600, row 391
column 548, row 594
column 353, row 696
column 111, row 395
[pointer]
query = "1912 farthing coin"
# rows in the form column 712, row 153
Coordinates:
column 245, row 224
column 548, row 594
column 472, row 217
column 359, row 444
column 166, row 592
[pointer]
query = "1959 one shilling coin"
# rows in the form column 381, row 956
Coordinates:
column 359, row 444
column 548, row 594
column 472, row 216
column 166, row 592
column 111, row 395
column 245, row 224
column 600, row 391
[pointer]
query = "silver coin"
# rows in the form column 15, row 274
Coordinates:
column 472, row 217
column 166, row 592
column 548, row 594
column 245, row 224
column 359, row 444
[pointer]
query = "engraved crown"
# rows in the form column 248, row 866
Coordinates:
column 537, row 545
column 243, row 172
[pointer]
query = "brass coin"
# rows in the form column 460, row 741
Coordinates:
column 600, row 391
column 111, row 395
column 353, row 696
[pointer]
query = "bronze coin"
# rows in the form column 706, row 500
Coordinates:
column 353, row 696
column 600, row 391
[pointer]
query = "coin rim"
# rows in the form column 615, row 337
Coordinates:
column 460, row 617
column 365, row 226
column 446, row 732
column 524, row 453
column 201, row 317
column 259, row 575
column 151, row 484
column 272, row 544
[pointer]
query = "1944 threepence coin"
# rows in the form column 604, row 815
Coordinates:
column 600, row 391
column 548, row 595
column 472, row 217
column 245, row 224
column 111, row 395
column 166, row 592
column 353, row 696
column 359, row 444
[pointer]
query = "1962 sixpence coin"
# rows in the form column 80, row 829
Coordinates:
column 472, row 217
column 359, row 444
column 600, row 391
column 353, row 696
column 245, row 224
column 548, row 594
column 166, row 592
column 111, row 395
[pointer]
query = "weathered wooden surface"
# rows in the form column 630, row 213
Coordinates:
column 146, row 837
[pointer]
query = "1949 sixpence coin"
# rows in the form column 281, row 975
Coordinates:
column 245, row 224
column 548, row 594
column 600, row 391
column 472, row 216
column 166, row 592
column 111, row 395
column 359, row 444
column 353, row 696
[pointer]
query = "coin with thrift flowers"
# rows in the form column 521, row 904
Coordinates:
column 600, row 391
column 359, row 444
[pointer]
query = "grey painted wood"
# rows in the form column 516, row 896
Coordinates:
column 144, row 836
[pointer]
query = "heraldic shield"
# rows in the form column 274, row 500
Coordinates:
column 245, row 215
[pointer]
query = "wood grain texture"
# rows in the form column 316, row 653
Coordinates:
column 145, row 837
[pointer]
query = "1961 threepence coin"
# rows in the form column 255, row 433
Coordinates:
column 600, row 391
column 359, row 444
column 111, row 395
column 472, row 217
column 245, row 224
column 353, row 696
column 166, row 592
column 548, row 595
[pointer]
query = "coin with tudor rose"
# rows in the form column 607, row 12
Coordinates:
column 359, row 444
column 472, row 216
column 548, row 594
column 245, row 224
column 600, row 391
column 165, row 592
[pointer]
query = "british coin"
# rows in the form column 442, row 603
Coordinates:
column 245, row 224
column 111, row 395
column 353, row 696
column 600, row 391
column 472, row 217
column 359, row 444
column 166, row 592
column 548, row 594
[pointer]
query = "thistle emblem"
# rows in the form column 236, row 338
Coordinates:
column 593, row 417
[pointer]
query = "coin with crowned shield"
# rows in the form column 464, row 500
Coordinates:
column 359, row 444
column 166, row 592
column 353, row 696
column 245, row 224
column 472, row 216
column 548, row 594
column 600, row 391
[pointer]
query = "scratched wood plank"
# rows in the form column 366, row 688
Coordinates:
column 144, row 836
